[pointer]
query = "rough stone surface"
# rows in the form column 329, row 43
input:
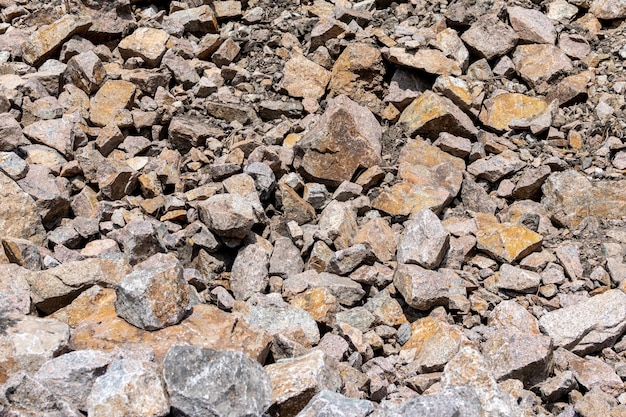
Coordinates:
column 424, row 241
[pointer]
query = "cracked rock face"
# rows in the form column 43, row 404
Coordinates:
column 318, row 208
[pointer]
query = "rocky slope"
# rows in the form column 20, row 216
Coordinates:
column 315, row 208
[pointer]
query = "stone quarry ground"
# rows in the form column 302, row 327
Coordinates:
column 312, row 208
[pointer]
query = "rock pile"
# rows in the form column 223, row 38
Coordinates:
column 312, row 208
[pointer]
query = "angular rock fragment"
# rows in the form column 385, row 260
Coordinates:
column 56, row 133
column 48, row 39
column 221, row 383
column 504, row 241
column 196, row 19
column 421, row 288
column 14, row 289
column 113, row 97
column 431, row 61
column 539, row 64
column 11, row 135
column 228, row 215
column 85, row 71
column 531, row 25
column 608, row 9
column 304, row 78
column 499, row 111
column 250, row 272
column 145, row 43
column 138, row 240
column 347, row 291
column 424, row 241
column 457, row 401
column 379, row 236
column 489, row 37
column 331, row 403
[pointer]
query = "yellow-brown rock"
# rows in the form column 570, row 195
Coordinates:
column 320, row 303
column 113, row 96
column 503, row 241
column 499, row 111
column 305, row 78
column 96, row 325
column 406, row 198
column 42, row 44
column 145, row 43
column 380, row 237
column 431, row 61
column 430, row 114
column 293, row 206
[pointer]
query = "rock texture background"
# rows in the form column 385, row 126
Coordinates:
column 312, row 208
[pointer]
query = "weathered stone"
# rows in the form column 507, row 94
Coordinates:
column 510, row 314
column 504, row 241
column 286, row 260
column 138, row 240
column 331, row 403
column 430, row 114
column 197, row 19
column 570, row 197
column 296, row 381
column 184, row 72
column 113, row 97
column 587, row 326
column 86, row 71
column 304, row 78
column 56, row 134
column 571, row 88
column 569, row 258
column 347, row 291
column 250, row 271
column 96, row 325
column 129, row 387
column 319, row 302
column 347, row 260
column 539, row 64
column 379, row 236
column 428, row 60
column 489, row 37
column 14, row 289
column 338, row 221
column 345, row 139
column 608, row 9
column 221, row 383
column 421, row 288
column 511, row 278
column 11, row 135
column 499, row 111
column 590, row 371
column 145, row 43
column 424, row 241
column 44, row 42
column 451, row 402
column 228, row 215
column 531, row 25
column 51, row 194
column 294, row 207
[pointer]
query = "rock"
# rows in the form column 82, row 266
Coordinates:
column 379, row 236
column 129, row 387
column 294, row 207
column 539, row 64
column 431, row 61
column 590, row 372
column 608, row 9
column 531, row 25
column 145, row 43
column 185, row 133
column 16, row 204
column 27, row 342
column 196, row 19
column 51, row 194
column 56, row 133
column 14, row 289
column 516, row 279
column 138, row 240
column 86, row 71
column 55, row 288
column 296, row 381
column 11, row 135
column 304, row 78
column 510, row 314
column 529, row 184
column 489, row 38
column 461, row 402
column 504, row 241
column 421, row 288
column 499, row 111
column 431, row 113
column 595, row 401
column 319, row 302
column 570, row 260
column 347, row 291
column 570, row 197
column 44, row 42
column 184, row 73
column 285, row 260
column 347, row 260
column 22, row 252
column 202, row 381
column 71, row 376
column 424, row 241
column 250, row 271
column 96, row 325
column 228, row 215
column 345, row 139
column 587, row 326
column 338, row 221
column 113, row 97
column 155, row 295
column 331, row 403
column 554, row 388
column 570, row 89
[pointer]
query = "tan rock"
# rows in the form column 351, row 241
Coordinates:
column 145, row 43
column 489, row 37
column 380, row 237
column 499, row 111
column 505, row 242
column 571, row 88
column 42, row 44
column 319, row 302
column 295, row 207
column 96, row 326
column 304, row 78
column 430, row 114
column 196, row 19
column 407, row 198
column 19, row 216
column 608, row 9
column 431, row 61
column 112, row 97
column 540, row 64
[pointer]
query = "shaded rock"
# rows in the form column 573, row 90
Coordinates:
column 453, row 402
column 554, row 388
column 569, row 258
column 155, row 295
column 129, row 387
column 138, row 240
column 51, row 194
column 424, row 241
column 347, row 260
column 196, row 19
column 202, row 381
column 329, row 403
column 304, row 78
column 379, row 236
column 296, row 381
column 504, row 241
column 44, row 42
column 294, row 207
column 608, row 9
column 347, row 291
column 591, row 372
column 85, row 71
column 11, row 135
column 421, row 288
column 320, row 303
column 250, row 271
column 489, row 38
column 286, row 260
column 228, row 215
column 145, row 43
column 56, row 133
column 510, row 314
column 338, row 221
column 538, row 64
column 185, row 133
column 587, row 326
column 345, row 139
column 497, row 166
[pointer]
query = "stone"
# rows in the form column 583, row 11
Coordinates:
column 184, row 73
column 338, row 221
column 347, row 260
column 203, row 381
column 540, row 64
column 329, row 403
column 570, row 197
column 138, row 240
column 325, row 30
column 304, row 78
column 96, row 325
column 285, row 260
column 421, row 288
column 489, row 37
column 319, row 302
column 14, row 289
column 453, row 402
column 250, row 271
column 424, row 241
column 499, row 111
column 588, row 326
column 51, row 194
column 554, row 388
column 71, row 376
column 296, row 381
column 511, row 314
column 428, row 60
column 56, row 133
column 294, row 207
column 512, row 278
column 529, row 184
column 155, row 295
column 575, row 46
column 45, row 41
column 186, row 132
column 570, row 89
column 386, row 309
column 229, row 215
column 590, row 372
column 199, row 20
column 27, row 342
column 11, row 135
column 346, row 138
column 608, row 9
column 379, row 236
column 113, row 97
column 85, row 71
column 431, row 113
column 595, row 402
column 129, row 387
column 531, row 25
column 504, row 241
column 347, row 291
column 569, row 258
column 145, row 43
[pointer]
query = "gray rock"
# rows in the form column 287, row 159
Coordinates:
column 347, row 260
column 588, row 326
column 11, row 135
column 51, row 194
column 453, row 402
column 554, row 388
column 13, row 166
column 155, row 295
column 358, row 317
column 516, row 279
column 72, row 375
column 489, row 37
column 85, row 71
column 347, row 291
column 569, row 257
column 286, row 260
column 424, row 241
column 14, row 289
column 331, row 404
column 229, row 215
column 496, row 167
column 249, row 274
column 138, row 240
column 130, row 387
column 421, row 288
column 203, row 382
column 532, row 25
column 187, row 132
column 338, row 221
column 55, row 133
